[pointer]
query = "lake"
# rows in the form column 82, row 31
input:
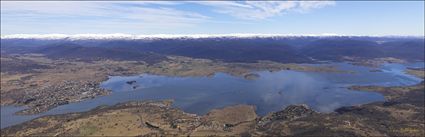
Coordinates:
column 271, row 91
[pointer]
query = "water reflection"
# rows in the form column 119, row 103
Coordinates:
column 270, row 92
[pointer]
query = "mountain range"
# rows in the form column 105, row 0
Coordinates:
column 228, row 48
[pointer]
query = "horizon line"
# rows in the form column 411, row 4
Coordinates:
column 170, row 36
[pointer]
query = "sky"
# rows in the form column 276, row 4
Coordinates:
column 213, row 17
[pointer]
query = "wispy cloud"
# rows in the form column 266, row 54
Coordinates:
column 139, row 15
column 257, row 10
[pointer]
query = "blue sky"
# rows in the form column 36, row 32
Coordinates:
column 214, row 17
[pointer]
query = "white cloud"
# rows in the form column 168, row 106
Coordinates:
column 140, row 9
column 66, row 8
column 138, row 14
column 310, row 5
column 256, row 10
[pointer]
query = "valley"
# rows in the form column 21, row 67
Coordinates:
column 213, row 86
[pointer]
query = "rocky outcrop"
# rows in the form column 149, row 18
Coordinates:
column 131, row 82
column 251, row 76
column 289, row 113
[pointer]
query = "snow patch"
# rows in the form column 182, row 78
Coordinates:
column 118, row 36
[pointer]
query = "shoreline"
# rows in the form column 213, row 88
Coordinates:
column 244, row 114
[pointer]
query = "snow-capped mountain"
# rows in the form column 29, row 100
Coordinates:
column 168, row 36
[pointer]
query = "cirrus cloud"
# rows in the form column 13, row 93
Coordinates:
column 138, row 16
column 258, row 10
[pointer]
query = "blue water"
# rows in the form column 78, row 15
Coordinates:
column 272, row 91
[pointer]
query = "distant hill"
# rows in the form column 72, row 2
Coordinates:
column 280, row 49
column 71, row 50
